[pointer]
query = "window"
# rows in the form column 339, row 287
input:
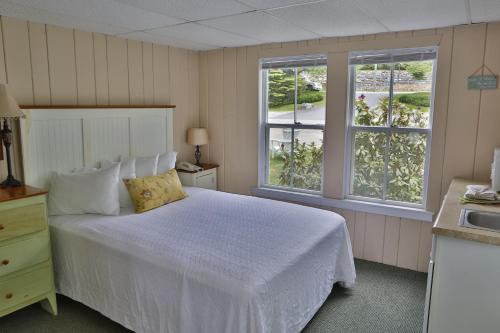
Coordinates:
column 293, row 119
column 389, row 125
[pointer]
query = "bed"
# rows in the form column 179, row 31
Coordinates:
column 213, row 262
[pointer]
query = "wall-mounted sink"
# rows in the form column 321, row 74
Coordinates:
column 480, row 220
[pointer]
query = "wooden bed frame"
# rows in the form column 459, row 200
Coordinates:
column 64, row 138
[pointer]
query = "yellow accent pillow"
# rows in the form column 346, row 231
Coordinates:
column 152, row 192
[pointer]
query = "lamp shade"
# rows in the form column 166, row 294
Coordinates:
column 8, row 105
column 197, row 136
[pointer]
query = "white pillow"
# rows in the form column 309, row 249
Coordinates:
column 166, row 162
column 146, row 166
column 84, row 170
column 127, row 171
column 80, row 193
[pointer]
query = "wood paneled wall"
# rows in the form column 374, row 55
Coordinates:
column 390, row 240
column 45, row 64
column 218, row 89
column 465, row 124
column 229, row 109
column 473, row 116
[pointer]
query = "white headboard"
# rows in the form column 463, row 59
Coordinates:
column 66, row 139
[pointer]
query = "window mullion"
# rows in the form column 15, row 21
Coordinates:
column 295, row 98
column 264, row 178
column 386, row 163
column 391, row 96
column 298, row 126
column 388, row 134
column 267, row 137
column 292, row 162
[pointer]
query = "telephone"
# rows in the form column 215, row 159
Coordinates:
column 186, row 166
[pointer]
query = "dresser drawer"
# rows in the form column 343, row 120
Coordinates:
column 20, row 221
column 23, row 254
column 206, row 180
column 22, row 288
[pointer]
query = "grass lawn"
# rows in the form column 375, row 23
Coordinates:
column 275, row 168
column 289, row 107
column 414, row 99
column 424, row 109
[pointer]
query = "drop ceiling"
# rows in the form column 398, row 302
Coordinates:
column 210, row 24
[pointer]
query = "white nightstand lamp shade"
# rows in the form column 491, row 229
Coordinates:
column 197, row 137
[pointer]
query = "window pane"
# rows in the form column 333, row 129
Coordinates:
column 412, row 94
column 280, row 147
column 371, row 94
column 308, row 159
column 280, row 95
column 311, row 95
column 406, row 167
column 368, row 168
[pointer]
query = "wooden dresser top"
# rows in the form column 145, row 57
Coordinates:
column 20, row 192
column 205, row 166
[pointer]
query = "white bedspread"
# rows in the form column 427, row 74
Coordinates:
column 213, row 262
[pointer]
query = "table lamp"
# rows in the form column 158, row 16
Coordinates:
column 8, row 110
column 197, row 137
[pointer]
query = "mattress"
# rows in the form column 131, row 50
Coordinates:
column 213, row 262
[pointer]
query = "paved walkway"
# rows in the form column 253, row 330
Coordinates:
column 312, row 116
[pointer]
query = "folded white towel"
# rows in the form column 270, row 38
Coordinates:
column 480, row 192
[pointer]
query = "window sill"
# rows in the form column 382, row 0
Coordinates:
column 356, row 205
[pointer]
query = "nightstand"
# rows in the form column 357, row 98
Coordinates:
column 26, row 274
column 207, row 178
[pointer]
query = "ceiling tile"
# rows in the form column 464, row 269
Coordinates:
column 330, row 18
column 261, row 26
column 198, row 33
column 166, row 40
column 191, row 10
column 400, row 15
column 103, row 11
column 485, row 10
column 266, row 4
column 67, row 21
column 227, row 23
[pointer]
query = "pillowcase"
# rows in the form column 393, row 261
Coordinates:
column 84, row 170
column 154, row 191
column 127, row 170
column 166, row 162
column 146, row 166
column 85, row 193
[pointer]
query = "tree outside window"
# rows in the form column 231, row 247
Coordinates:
column 389, row 130
column 295, row 99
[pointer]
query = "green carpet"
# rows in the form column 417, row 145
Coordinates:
column 384, row 299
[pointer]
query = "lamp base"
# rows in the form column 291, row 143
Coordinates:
column 6, row 136
column 197, row 155
column 11, row 182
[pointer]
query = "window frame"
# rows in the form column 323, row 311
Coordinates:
column 265, row 127
column 353, row 128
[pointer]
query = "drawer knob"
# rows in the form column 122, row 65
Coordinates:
column 8, row 296
column 5, row 262
column 2, row 227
